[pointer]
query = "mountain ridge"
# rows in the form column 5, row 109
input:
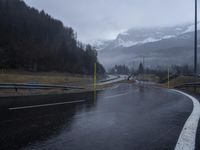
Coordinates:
column 174, row 50
column 136, row 36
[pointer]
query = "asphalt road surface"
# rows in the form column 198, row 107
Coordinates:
column 125, row 117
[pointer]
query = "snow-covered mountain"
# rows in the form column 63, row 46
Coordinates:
column 167, row 45
column 144, row 35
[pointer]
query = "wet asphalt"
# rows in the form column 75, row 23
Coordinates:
column 125, row 117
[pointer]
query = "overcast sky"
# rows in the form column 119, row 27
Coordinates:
column 104, row 19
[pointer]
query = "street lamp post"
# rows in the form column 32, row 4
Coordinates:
column 195, row 41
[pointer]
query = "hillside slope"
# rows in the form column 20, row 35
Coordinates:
column 166, row 49
column 34, row 41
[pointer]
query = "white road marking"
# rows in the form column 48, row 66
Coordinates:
column 118, row 95
column 114, row 87
column 187, row 137
column 44, row 105
column 111, row 88
column 121, row 78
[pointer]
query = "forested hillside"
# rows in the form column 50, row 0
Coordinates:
column 34, row 41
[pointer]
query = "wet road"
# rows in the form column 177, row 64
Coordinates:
column 126, row 117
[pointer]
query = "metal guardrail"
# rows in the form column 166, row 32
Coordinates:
column 196, row 84
column 193, row 87
column 17, row 86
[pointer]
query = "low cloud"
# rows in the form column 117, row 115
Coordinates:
column 104, row 19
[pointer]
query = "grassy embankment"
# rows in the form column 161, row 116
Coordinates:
column 84, row 81
column 148, row 78
column 174, row 81
column 180, row 80
column 43, row 78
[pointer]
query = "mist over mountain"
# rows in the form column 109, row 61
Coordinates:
column 158, row 46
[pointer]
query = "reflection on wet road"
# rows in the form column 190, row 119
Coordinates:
column 125, row 117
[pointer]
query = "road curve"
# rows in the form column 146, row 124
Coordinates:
column 187, row 137
column 126, row 117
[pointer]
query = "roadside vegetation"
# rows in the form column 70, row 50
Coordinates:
column 67, row 79
column 36, row 48
column 180, row 80
column 31, row 40
column 44, row 78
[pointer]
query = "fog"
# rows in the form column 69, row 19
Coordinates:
column 104, row 19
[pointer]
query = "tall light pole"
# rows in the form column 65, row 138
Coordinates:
column 195, row 41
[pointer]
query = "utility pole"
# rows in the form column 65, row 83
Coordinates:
column 95, row 81
column 143, row 67
column 143, row 62
column 168, row 78
column 195, row 41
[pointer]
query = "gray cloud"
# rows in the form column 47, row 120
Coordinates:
column 104, row 19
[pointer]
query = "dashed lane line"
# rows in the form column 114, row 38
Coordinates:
column 117, row 95
column 45, row 105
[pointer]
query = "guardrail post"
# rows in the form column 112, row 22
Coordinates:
column 16, row 89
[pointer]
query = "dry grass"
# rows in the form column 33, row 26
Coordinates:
column 148, row 77
column 181, row 80
column 84, row 81
column 42, row 78
column 46, row 78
